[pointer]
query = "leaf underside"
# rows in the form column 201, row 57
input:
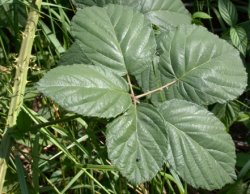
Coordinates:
column 116, row 37
column 200, row 150
column 87, row 90
column 137, row 143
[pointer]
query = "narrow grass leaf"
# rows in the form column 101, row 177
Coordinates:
column 51, row 37
column 21, row 176
column 72, row 181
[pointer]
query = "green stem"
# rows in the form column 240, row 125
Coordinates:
column 156, row 90
column 22, row 66
column 131, row 90
column 50, row 123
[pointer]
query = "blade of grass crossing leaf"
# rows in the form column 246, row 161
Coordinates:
column 35, row 117
column 63, row 150
column 35, row 162
column 65, row 27
column 51, row 19
column 21, row 176
column 177, row 180
column 73, row 180
column 55, row 5
column 97, row 182
column 54, row 141
column 220, row 19
column 53, row 186
column 171, row 178
column 244, row 170
column 51, row 37
column 92, row 183
column 82, row 139
column 3, row 49
column 51, row 137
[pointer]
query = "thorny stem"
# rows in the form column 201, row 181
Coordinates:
column 22, row 66
column 155, row 90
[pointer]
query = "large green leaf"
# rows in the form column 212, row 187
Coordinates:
column 87, row 90
column 137, row 143
column 200, row 150
column 160, row 12
column 228, row 12
column 207, row 69
column 116, row 36
column 166, row 12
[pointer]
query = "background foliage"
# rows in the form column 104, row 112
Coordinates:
column 51, row 142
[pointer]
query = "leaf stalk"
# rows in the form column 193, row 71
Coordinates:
column 156, row 90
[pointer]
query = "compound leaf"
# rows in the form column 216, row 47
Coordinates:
column 200, row 150
column 87, row 90
column 207, row 69
column 116, row 37
column 137, row 143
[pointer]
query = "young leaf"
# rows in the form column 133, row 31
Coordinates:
column 166, row 12
column 201, row 15
column 207, row 69
column 238, row 36
column 137, row 143
column 87, row 90
column 116, row 37
column 228, row 12
column 200, row 150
